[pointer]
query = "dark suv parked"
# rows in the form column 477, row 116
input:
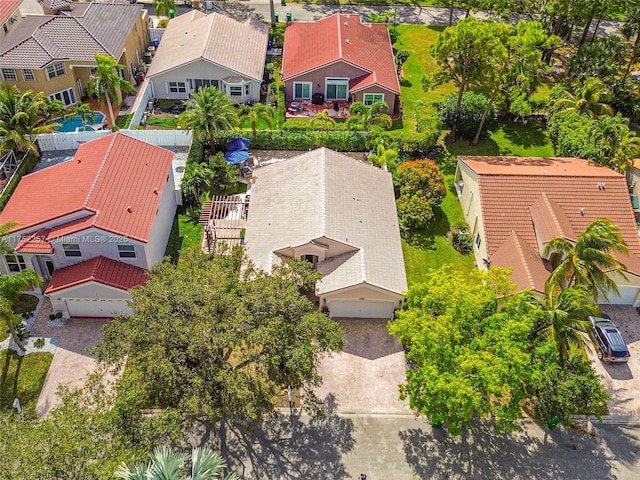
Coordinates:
column 611, row 346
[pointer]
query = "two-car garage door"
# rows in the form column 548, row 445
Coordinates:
column 361, row 308
column 82, row 307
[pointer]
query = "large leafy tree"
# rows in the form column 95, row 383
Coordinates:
column 22, row 115
column 471, row 351
column 107, row 84
column 631, row 29
column 164, row 464
column 465, row 55
column 589, row 260
column 216, row 339
column 616, row 144
column 162, row 7
column 209, row 111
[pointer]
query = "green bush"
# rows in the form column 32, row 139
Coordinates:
column 38, row 343
column 302, row 140
column 196, row 152
column 25, row 167
column 163, row 23
column 21, row 331
column 471, row 110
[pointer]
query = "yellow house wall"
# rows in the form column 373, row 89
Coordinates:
column 472, row 210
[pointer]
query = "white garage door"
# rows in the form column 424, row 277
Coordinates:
column 82, row 307
column 627, row 296
column 360, row 309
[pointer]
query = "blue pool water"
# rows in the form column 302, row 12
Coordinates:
column 71, row 123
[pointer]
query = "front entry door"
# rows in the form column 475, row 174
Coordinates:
column 50, row 267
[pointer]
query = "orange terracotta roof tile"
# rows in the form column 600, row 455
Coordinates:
column 116, row 180
column 340, row 37
column 510, row 186
column 101, row 270
column 550, row 220
column 7, row 7
column 529, row 270
column 35, row 242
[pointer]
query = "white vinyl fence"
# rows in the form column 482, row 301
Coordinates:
column 71, row 141
column 156, row 33
column 140, row 105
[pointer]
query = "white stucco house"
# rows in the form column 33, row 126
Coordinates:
column 199, row 50
column 93, row 225
column 515, row 205
column 339, row 214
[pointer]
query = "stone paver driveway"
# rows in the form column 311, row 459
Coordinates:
column 365, row 376
column 71, row 362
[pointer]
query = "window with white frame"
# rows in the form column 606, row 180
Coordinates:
column 126, row 251
column 337, row 88
column 302, row 90
column 15, row 263
column 9, row 74
column 177, row 87
column 28, row 75
column 55, row 70
column 478, row 240
column 247, row 89
column 71, row 250
column 370, row 98
column 68, row 96
column 235, row 91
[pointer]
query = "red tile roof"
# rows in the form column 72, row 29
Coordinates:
column 7, row 7
column 340, row 37
column 35, row 242
column 116, row 181
column 511, row 195
column 101, row 270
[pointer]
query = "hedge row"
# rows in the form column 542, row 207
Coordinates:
column 25, row 167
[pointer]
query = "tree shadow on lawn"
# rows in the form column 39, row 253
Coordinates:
column 285, row 447
column 532, row 134
column 425, row 238
column 485, row 453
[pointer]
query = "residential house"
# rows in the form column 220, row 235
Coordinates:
column 92, row 226
column 199, row 50
column 339, row 214
column 342, row 59
column 515, row 206
column 55, row 53
column 9, row 17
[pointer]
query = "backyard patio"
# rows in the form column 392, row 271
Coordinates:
column 307, row 109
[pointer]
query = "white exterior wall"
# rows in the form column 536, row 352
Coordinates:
column 472, row 210
column 200, row 69
column 362, row 301
column 161, row 229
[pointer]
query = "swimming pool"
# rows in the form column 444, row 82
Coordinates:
column 70, row 124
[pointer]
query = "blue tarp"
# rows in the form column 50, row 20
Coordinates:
column 238, row 143
column 236, row 157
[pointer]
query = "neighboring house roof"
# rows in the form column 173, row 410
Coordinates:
column 100, row 270
column 237, row 46
column 55, row 4
column 309, row 46
column 113, row 183
column 559, row 196
column 76, row 34
column 325, row 196
column 7, row 7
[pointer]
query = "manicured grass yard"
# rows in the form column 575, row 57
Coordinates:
column 185, row 233
column 22, row 377
column 431, row 249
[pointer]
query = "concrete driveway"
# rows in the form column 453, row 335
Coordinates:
column 622, row 380
column 71, row 362
column 365, row 376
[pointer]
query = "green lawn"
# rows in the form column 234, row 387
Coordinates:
column 431, row 249
column 521, row 140
column 417, row 40
column 185, row 233
column 22, row 377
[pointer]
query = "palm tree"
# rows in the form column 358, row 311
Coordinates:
column 11, row 286
column 324, row 118
column 197, row 178
column 586, row 99
column 367, row 117
column 630, row 28
column 254, row 113
column 209, row 112
column 21, row 117
column 589, row 260
column 617, row 144
column 564, row 318
column 167, row 465
column 162, row 7
column 106, row 83
column 85, row 112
